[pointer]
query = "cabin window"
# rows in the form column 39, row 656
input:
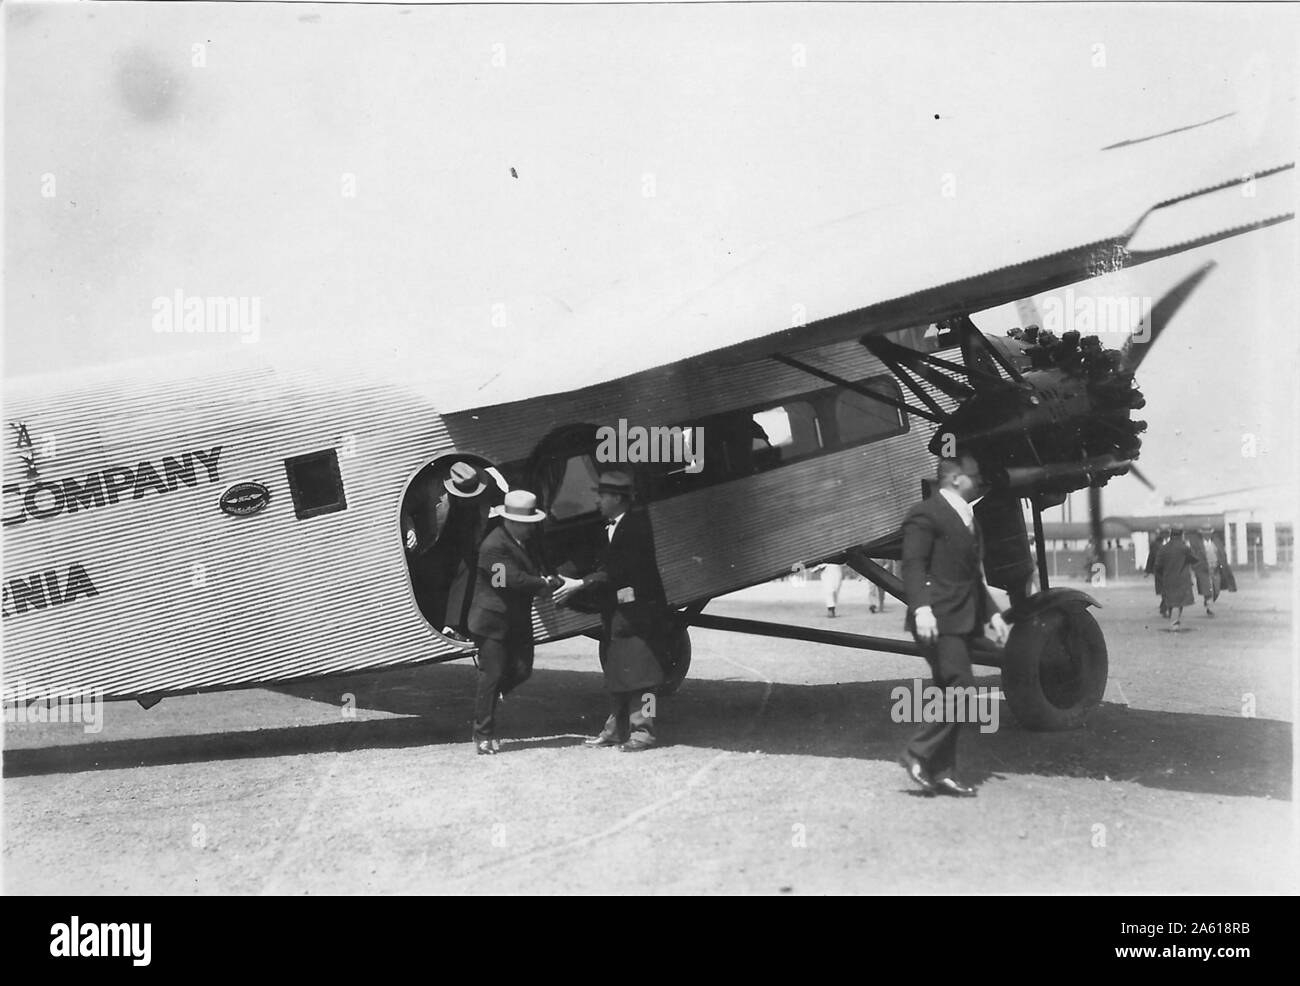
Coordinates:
column 575, row 493
column 315, row 483
column 860, row 419
column 737, row 443
column 784, row 433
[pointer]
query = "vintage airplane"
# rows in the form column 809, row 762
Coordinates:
column 172, row 527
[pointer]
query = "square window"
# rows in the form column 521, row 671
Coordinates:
column 315, row 483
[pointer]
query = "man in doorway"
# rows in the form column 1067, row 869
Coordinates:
column 473, row 493
column 948, row 605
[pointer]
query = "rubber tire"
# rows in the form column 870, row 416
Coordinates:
column 1054, row 671
column 680, row 646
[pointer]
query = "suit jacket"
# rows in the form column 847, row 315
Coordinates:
column 1175, row 564
column 1201, row 568
column 462, row 534
column 634, row 644
column 504, row 611
column 941, row 568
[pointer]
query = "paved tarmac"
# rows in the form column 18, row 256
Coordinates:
column 778, row 775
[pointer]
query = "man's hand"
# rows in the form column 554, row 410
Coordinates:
column 1000, row 629
column 567, row 588
column 927, row 627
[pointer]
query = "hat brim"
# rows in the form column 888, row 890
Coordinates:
column 534, row 518
column 621, row 490
column 450, row 486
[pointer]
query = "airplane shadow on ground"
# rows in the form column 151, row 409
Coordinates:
column 1209, row 754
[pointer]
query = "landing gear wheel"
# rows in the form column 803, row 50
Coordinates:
column 1054, row 672
column 679, row 650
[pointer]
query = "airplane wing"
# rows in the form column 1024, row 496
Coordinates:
column 959, row 250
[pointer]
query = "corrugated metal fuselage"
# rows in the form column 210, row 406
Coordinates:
column 122, row 573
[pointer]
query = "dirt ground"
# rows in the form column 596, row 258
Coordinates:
column 778, row 774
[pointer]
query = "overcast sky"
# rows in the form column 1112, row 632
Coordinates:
column 208, row 147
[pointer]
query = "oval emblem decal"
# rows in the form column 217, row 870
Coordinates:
column 244, row 499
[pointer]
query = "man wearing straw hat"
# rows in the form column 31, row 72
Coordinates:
column 634, row 616
column 509, row 577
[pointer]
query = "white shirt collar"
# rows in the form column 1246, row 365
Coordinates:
column 612, row 525
column 964, row 510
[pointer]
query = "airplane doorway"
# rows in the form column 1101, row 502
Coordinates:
column 563, row 472
column 444, row 516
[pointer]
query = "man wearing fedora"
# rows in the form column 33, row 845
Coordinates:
column 508, row 577
column 634, row 616
column 473, row 494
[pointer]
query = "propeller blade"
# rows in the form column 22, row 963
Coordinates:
column 1139, row 344
column 1136, row 473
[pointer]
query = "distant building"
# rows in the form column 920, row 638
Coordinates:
column 1257, row 527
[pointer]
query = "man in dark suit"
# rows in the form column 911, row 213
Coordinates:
column 1162, row 536
column 1175, row 564
column 634, row 640
column 948, row 604
column 509, row 576
column 474, row 493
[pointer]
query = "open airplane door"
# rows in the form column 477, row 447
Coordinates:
column 444, row 515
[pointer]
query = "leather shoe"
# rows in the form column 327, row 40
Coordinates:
column 950, row 785
column 601, row 740
column 916, row 770
column 635, row 746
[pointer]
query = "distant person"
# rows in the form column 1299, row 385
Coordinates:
column 878, row 594
column 1212, row 572
column 1158, row 542
column 832, row 577
column 948, row 605
column 509, row 577
column 1174, row 565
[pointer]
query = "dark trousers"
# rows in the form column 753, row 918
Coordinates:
column 936, row 744
column 627, row 718
column 501, row 668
